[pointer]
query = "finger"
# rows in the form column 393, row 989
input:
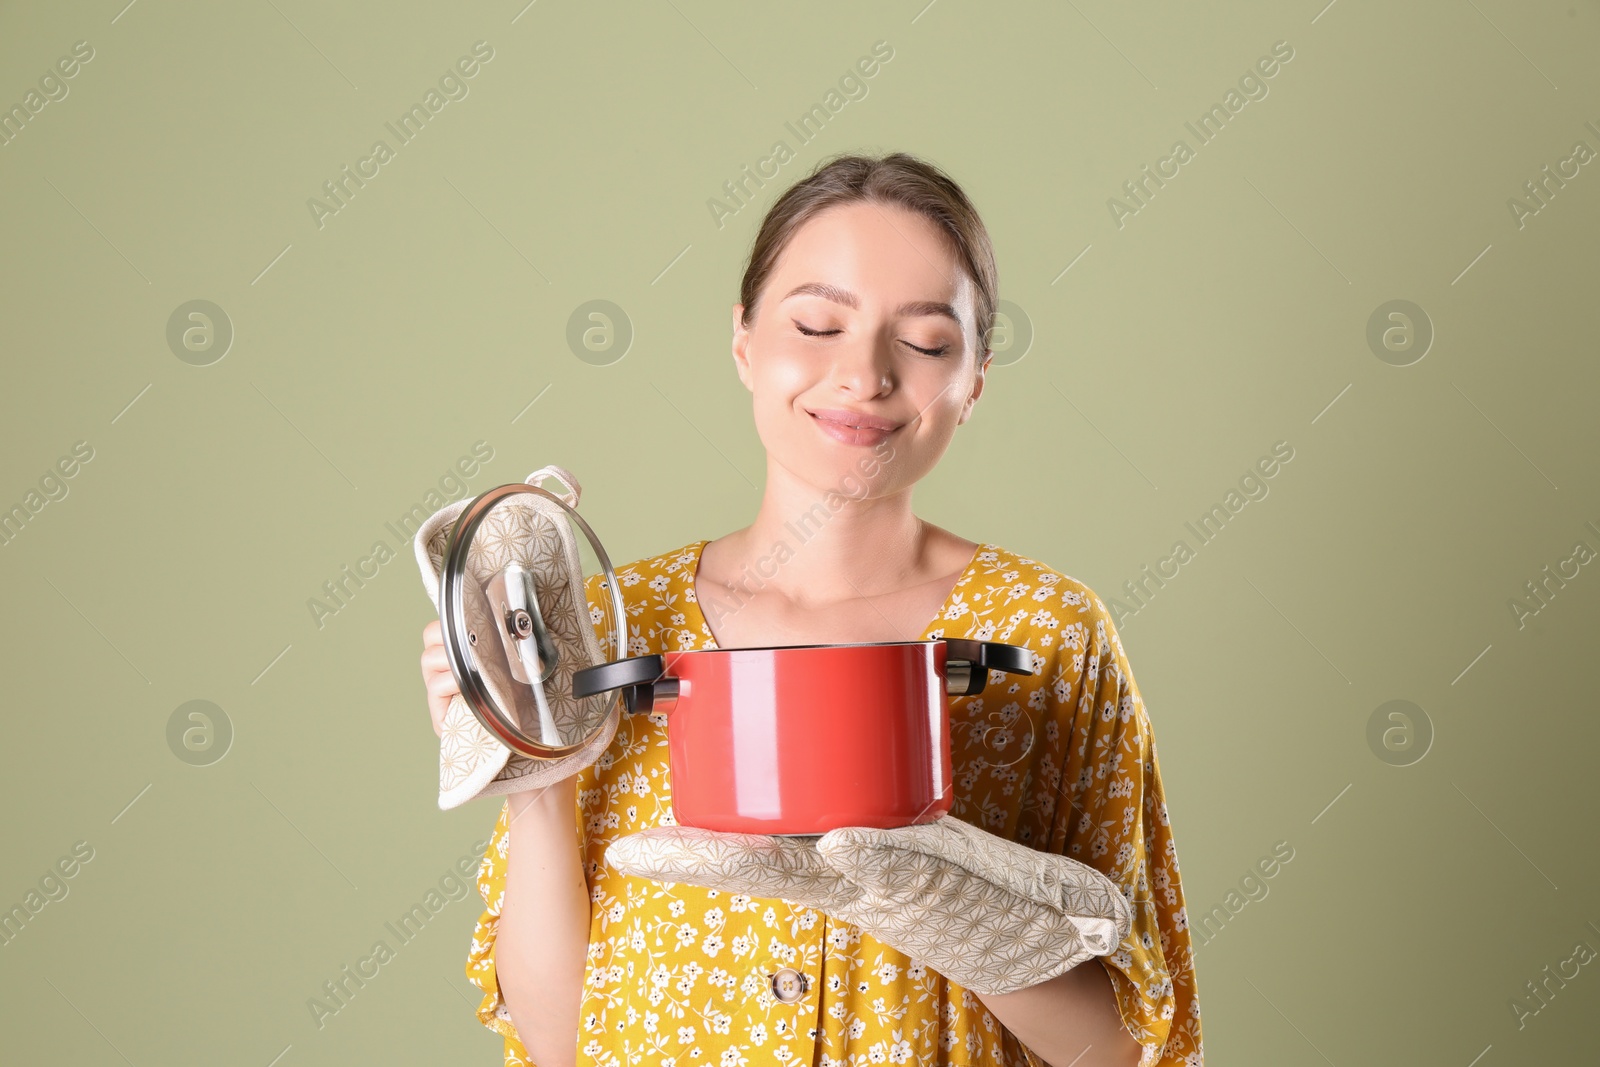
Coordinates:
column 439, row 710
column 755, row 864
column 433, row 633
column 434, row 659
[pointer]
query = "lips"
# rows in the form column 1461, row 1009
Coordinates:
column 854, row 419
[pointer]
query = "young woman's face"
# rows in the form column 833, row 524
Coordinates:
column 866, row 319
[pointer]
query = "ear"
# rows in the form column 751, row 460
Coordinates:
column 740, row 346
column 977, row 388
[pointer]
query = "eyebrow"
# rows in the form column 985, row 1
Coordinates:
column 848, row 299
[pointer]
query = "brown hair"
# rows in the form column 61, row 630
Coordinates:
column 898, row 178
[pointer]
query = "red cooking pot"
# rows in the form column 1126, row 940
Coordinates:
column 801, row 739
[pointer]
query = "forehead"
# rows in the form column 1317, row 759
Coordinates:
column 879, row 251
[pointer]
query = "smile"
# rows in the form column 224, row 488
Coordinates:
column 853, row 430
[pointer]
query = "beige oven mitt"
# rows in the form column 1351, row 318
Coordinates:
column 535, row 532
column 985, row 912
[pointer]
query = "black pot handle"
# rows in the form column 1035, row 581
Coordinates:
column 973, row 660
column 641, row 679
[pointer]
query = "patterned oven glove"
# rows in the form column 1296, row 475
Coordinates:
column 472, row 761
column 985, row 912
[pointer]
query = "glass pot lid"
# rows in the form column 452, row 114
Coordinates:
column 516, row 619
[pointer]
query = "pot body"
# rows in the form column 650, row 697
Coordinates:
column 805, row 739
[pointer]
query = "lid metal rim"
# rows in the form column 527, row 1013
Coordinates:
column 470, row 681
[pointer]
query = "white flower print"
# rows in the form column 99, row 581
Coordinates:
column 1079, row 778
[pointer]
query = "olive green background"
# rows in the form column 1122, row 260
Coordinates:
column 370, row 352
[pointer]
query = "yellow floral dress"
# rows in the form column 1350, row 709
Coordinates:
column 1062, row 761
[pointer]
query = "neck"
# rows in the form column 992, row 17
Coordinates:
column 815, row 546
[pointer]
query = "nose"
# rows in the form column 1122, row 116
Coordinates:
column 863, row 369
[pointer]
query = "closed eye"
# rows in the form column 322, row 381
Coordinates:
column 941, row 350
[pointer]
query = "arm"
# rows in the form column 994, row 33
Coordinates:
column 533, row 883
column 1069, row 1019
column 544, row 923
column 1108, row 809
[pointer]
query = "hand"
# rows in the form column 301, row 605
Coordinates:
column 436, row 674
column 987, row 913
column 449, row 710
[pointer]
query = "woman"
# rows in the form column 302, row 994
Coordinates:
column 860, row 334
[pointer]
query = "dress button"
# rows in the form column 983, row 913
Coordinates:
column 789, row 985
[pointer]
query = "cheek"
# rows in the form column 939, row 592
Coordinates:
column 780, row 373
column 939, row 395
